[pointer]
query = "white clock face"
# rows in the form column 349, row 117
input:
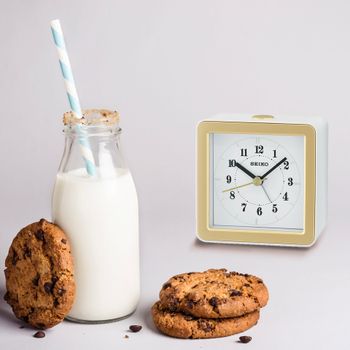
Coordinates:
column 257, row 181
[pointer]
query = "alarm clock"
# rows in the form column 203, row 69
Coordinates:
column 261, row 179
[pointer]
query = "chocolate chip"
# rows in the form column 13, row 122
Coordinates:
column 190, row 303
column 173, row 304
column 48, row 286
column 15, row 257
column 260, row 281
column 135, row 328
column 39, row 334
column 126, row 336
column 188, row 318
column 56, row 302
column 42, row 221
column 52, row 262
column 39, row 235
column 235, row 293
column 245, row 339
column 27, row 252
column 61, row 291
column 166, row 285
column 172, row 308
column 54, row 279
column 179, row 278
column 25, row 318
column 214, row 301
column 230, row 274
column 64, row 241
column 205, row 326
column 35, row 280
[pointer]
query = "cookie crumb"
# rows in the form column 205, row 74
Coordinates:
column 245, row 339
column 135, row 328
column 39, row 334
column 126, row 336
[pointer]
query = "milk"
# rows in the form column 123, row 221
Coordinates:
column 100, row 217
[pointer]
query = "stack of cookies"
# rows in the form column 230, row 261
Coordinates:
column 209, row 304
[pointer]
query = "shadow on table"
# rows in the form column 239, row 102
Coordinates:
column 147, row 319
column 6, row 316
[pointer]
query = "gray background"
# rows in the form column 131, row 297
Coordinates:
column 165, row 65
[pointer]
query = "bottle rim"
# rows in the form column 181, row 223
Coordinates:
column 94, row 122
column 92, row 117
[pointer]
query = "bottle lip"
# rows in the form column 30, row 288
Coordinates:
column 92, row 130
column 92, row 118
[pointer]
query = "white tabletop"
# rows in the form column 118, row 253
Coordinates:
column 308, row 307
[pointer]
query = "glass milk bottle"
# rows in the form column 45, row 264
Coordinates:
column 99, row 214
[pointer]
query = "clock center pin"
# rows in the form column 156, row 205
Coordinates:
column 257, row 181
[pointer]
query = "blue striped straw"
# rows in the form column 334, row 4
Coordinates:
column 72, row 94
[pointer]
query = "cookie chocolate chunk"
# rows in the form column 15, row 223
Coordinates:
column 214, row 294
column 39, row 275
column 179, row 325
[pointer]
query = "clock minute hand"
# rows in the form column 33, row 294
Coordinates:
column 273, row 168
column 245, row 170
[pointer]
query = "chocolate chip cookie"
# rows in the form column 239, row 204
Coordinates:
column 39, row 275
column 214, row 294
column 179, row 325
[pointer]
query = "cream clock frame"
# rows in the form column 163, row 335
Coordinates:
column 315, row 132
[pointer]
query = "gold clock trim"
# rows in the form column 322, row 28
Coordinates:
column 232, row 235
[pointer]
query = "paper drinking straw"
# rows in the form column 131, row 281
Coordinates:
column 72, row 94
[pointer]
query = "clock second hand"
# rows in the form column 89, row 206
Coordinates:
column 263, row 177
column 256, row 181
column 262, row 186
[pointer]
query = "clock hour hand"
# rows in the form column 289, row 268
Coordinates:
column 245, row 170
column 273, row 168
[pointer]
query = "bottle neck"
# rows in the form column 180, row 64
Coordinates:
column 103, row 141
column 93, row 131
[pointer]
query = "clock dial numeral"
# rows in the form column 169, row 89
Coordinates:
column 259, row 149
column 257, row 181
column 231, row 163
column 244, row 152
